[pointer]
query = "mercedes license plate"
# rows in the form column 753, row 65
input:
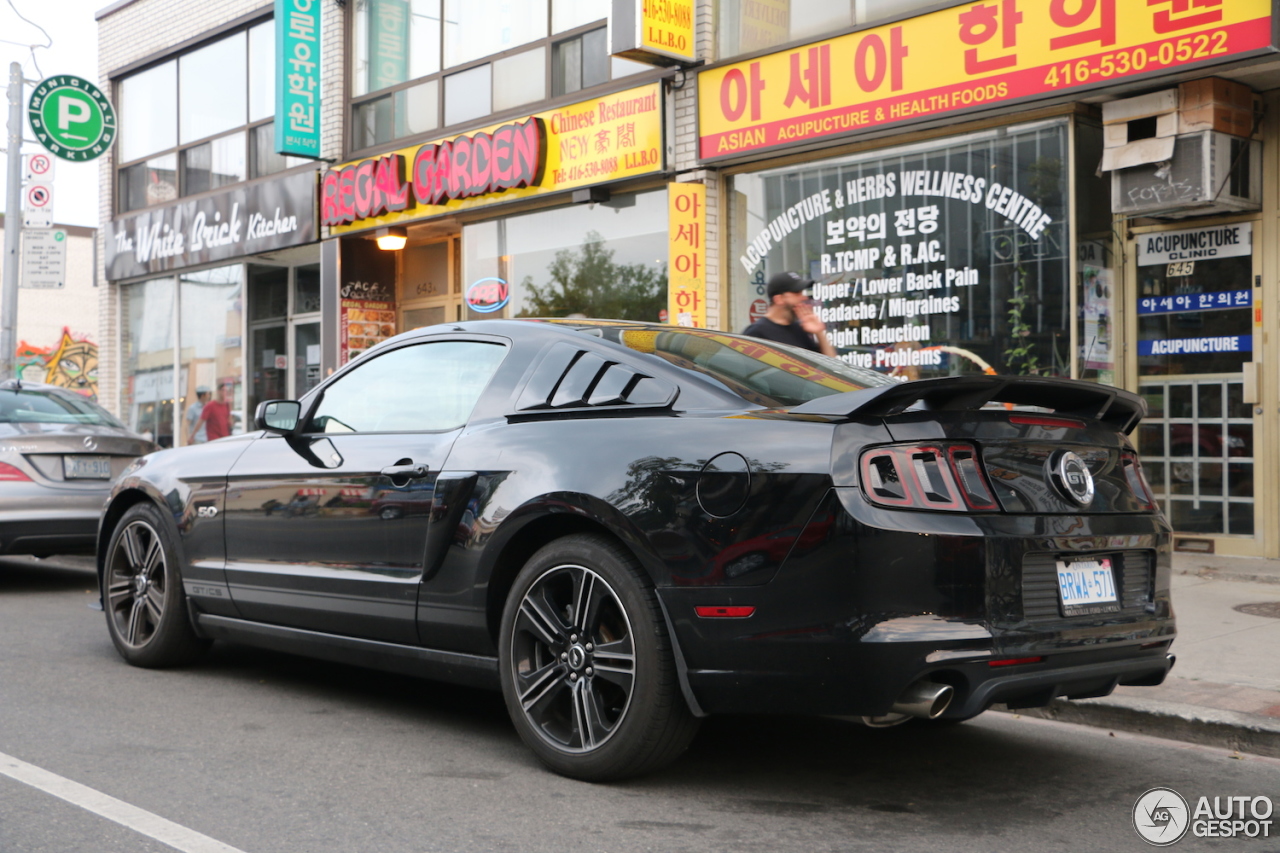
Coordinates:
column 1087, row 586
column 86, row 467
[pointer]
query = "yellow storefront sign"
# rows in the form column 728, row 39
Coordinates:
column 963, row 58
column 666, row 27
column 605, row 139
column 687, row 254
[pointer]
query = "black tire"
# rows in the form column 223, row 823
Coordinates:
column 142, row 593
column 583, row 639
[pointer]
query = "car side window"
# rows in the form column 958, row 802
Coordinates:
column 431, row 386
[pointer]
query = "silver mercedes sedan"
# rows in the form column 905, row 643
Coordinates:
column 59, row 453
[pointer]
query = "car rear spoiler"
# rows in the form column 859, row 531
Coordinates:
column 1120, row 409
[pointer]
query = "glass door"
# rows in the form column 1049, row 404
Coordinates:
column 1193, row 294
column 430, row 291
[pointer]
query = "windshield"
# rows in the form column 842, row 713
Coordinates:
column 770, row 374
column 31, row 406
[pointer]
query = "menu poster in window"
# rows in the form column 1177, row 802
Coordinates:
column 926, row 263
column 367, row 298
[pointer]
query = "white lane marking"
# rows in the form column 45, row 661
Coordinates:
column 139, row 820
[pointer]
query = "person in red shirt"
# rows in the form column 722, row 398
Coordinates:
column 216, row 416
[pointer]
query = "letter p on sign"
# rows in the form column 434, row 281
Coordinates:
column 72, row 109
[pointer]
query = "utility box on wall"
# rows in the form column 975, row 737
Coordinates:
column 1184, row 152
column 1208, row 172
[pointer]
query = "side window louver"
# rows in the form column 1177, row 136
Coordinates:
column 568, row 379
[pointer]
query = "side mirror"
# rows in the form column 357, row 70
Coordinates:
column 279, row 416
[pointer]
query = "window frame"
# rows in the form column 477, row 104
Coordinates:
column 355, row 102
column 179, row 150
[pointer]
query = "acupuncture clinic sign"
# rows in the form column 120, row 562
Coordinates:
column 255, row 218
column 1196, row 244
column 993, row 53
column 608, row 138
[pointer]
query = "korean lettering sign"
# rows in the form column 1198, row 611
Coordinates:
column 297, row 127
column 1004, row 50
column 611, row 137
column 687, row 221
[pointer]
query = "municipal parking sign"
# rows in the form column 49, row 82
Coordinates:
column 72, row 118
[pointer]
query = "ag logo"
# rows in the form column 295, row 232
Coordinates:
column 72, row 118
column 1070, row 476
column 1161, row 816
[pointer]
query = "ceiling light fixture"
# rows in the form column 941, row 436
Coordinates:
column 391, row 239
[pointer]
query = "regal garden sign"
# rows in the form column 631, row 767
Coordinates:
column 72, row 118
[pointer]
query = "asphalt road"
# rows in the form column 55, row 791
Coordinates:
column 270, row 753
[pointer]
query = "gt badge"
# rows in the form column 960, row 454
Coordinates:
column 1071, row 477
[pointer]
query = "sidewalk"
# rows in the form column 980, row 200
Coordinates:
column 1225, row 688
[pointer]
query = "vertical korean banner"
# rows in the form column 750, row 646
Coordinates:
column 687, row 224
column 297, row 125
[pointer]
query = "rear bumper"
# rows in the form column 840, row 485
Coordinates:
column 845, row 627
column 38, row 520
column 1034, row 689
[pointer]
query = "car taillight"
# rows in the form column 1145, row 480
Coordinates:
column 945, row 477
column 1137, row 480
column 10, row 474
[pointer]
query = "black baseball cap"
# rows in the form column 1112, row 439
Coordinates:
column 787, row 282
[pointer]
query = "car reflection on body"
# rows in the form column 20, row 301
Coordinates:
column 59, row 452
column 632, row 526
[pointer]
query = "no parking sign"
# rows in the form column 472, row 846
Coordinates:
column 37, row 206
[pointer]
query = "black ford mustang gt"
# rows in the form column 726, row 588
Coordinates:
column 627, row 527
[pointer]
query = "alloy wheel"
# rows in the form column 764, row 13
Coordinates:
column 136, row 584
column 573, row 658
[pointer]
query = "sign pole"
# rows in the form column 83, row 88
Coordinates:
column 12, row 230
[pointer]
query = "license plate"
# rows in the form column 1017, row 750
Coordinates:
column 1087, row 586
column 86, row 467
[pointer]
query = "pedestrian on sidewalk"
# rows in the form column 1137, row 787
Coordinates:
column 215, row 418
column 197, row 431
column 791, row 318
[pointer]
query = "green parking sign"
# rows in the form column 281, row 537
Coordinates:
column 72, row 118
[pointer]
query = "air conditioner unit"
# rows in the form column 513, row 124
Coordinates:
column 1209, row 172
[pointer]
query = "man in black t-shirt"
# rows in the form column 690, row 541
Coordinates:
column 790, row 318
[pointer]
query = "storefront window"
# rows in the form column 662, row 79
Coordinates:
column 210, row 352
column 746, row 27
column 941, row 258
column 147, row 401
column 408, row 77
column 476, row 28
column 1097, row 262
column 224, row 90
column 605, row 261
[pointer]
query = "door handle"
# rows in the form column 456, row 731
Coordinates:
column 408, row 471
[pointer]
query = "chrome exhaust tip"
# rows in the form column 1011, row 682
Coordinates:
column 924, row 699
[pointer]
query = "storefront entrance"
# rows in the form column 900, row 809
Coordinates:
column 1193, row 292
column 284, row 330
column 430, row 288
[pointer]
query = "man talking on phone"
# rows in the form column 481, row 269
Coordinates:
column 791, row 318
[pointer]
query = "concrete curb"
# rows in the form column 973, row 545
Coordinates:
column 1227, row 575
column 1171, row 720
